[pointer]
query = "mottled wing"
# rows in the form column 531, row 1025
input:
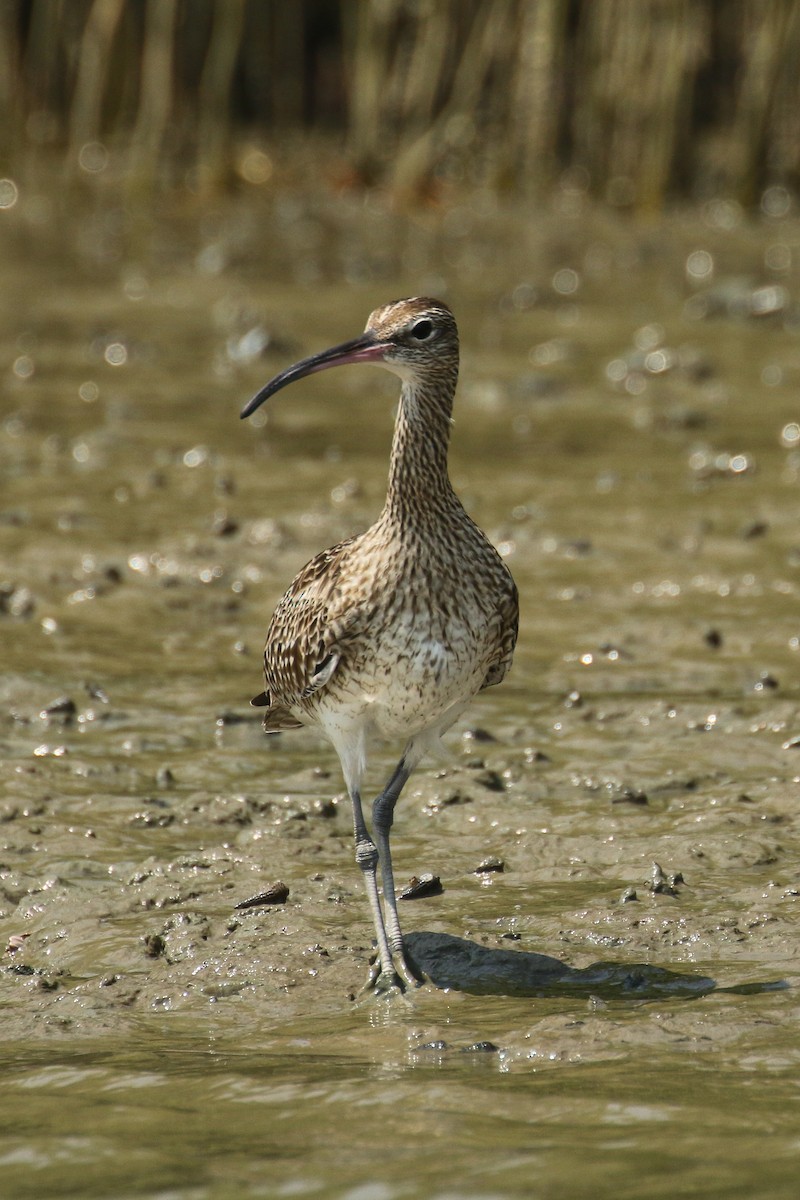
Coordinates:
column 304, row 639
column 508, row 617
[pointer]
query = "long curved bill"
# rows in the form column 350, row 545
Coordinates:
column 365, row 348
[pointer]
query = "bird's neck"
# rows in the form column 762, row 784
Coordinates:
column 419, row 485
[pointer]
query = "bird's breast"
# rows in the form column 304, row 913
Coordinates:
column 407, row 678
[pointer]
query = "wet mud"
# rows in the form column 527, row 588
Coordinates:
column 616, row 830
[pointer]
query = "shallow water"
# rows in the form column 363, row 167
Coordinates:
column 626, row 431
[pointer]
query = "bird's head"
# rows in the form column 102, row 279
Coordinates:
column 415, row 339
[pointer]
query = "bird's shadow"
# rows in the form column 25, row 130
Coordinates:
column 464, row 966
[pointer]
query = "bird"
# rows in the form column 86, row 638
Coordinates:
column 391, row 633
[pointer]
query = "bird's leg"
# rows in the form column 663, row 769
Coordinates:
column 382, row 817
column 367, row 859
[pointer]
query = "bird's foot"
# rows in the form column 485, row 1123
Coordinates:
column 385, row 985
column 412, row 976
column 399, row 977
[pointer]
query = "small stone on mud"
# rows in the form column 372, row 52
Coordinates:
column 16, row 601
column 228, row 717
column 154, row 945
column 628, row 895
column 421, row 886
column 629, row 795
column 488, row 865
column 713, row 638
column 276, row 893
column 478, row 735
column 64, row 708
column 325, row 808
column 491, row 780
column 223, row 525
column 663, row 885
column 536, row 756
column 612, row 652
column 437, row 803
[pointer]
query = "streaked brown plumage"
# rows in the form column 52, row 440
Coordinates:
column 393, row 632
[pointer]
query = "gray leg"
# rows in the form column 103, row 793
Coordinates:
column 382, row 817
column 367, row 859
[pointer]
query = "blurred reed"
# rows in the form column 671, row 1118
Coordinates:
column 634, row 100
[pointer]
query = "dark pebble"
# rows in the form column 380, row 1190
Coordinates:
column 425, row 885
column 154, row 945
column 659, row 884
column 276, row 893
column 537, row 756
column 613, row 652
column 64, row 708
column 233, row 718
column 488, row 865
column 491, row 780
column 17, row 600
column 630, row 796
column 224, row 526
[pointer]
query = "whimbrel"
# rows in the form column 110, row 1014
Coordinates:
column 393, row 632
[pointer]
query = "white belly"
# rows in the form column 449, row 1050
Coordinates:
column 408, row 687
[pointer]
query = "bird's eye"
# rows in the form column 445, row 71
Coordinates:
column 422, row 330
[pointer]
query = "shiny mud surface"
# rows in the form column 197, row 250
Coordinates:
column 627, row 432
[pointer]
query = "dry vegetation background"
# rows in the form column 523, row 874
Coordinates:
column 641, row 100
